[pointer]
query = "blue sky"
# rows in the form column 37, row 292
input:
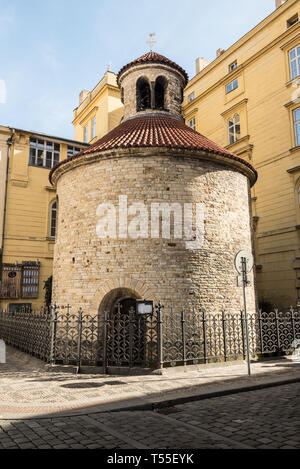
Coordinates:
column 52, row 49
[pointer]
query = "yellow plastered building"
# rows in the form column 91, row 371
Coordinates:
column 99, row 110
column 28, row 209
column 247, row 100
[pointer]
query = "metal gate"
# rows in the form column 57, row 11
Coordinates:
column 130, row 337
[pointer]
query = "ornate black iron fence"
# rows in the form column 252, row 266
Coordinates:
column 29, row 331
column 166, row 338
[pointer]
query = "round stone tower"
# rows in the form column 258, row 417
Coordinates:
column 153, row 210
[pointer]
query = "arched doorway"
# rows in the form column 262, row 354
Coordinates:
column 126, row 335
column 129, row 338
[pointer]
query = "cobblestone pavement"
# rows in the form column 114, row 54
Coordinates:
column 27, row 389
column 268, row 418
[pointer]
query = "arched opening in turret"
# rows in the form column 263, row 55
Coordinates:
column 143, row 95
column 160, row 93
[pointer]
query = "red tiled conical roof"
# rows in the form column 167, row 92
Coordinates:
column 155, row 131
column 155, row 58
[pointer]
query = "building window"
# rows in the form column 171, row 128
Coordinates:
column 93, row 128
column 192, row 123
column 232, row 66
column 43, row 153
column 234, row 129
column 71, row 151
column 143, row 95
column 292, row 21
column 53, row 213
column 191, row 97
column 86, row 134
column 295, row 62
column 232, row 86
column 297, row 126
column 160, row 92
column 30, row 282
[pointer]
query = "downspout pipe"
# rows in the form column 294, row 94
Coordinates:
column 9, row 144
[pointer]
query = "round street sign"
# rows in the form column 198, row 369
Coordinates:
column 249, row 261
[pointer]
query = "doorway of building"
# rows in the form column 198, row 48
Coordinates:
column 126, row 335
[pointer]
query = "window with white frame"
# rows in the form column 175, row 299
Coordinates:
column 233, row 66
column 93, row 128
column 86, row 134
column 234, row 129
column 191, row 97
column 296, row 115
column 192, row 123
column 43, row 153
column 294, row 55
column 72, row 151
column 232, row 86
column 53, row 213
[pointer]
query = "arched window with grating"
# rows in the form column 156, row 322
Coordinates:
column 160, row 93
column 234, row 129
column 53, row 214
column 143, row 95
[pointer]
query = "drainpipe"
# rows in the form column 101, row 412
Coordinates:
column 9, row 144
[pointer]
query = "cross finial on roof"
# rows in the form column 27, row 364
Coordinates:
column 151, row 41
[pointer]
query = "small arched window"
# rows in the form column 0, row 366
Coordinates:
column 234, row 129
column 160, row 92
column 122, row 95
column 143, row 95
column 53, row 213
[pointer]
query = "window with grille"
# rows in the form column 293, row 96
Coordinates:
column 44, row 153
column 234, row 129
column 20, row 280
column 30, row 282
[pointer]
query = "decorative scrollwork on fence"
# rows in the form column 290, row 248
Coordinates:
column 168, row 337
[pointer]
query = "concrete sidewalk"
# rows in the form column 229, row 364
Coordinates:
column 29, row 390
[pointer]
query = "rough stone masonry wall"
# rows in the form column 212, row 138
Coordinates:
column 87, row 268
column 151, row 72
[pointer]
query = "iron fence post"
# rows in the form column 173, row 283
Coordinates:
column 131, row 363
column 159, row 307
column 104, row 363
column 277, row 329
column 183, row 336
column 260, row 321
column 204, row 337
column 293, row 323
column 80, row 320
column 54, row 332
column 224, row 335
column 243, row 334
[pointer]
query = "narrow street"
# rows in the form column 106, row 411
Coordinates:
column 267, row 418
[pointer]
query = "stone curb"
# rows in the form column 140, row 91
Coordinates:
column 209, row 395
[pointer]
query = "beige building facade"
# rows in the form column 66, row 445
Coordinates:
column 28, row 220
column 99, row 110
column 247, row 100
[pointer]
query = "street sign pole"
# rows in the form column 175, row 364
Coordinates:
column 245, row 283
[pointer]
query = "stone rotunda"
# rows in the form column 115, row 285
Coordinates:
column 153, row 210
